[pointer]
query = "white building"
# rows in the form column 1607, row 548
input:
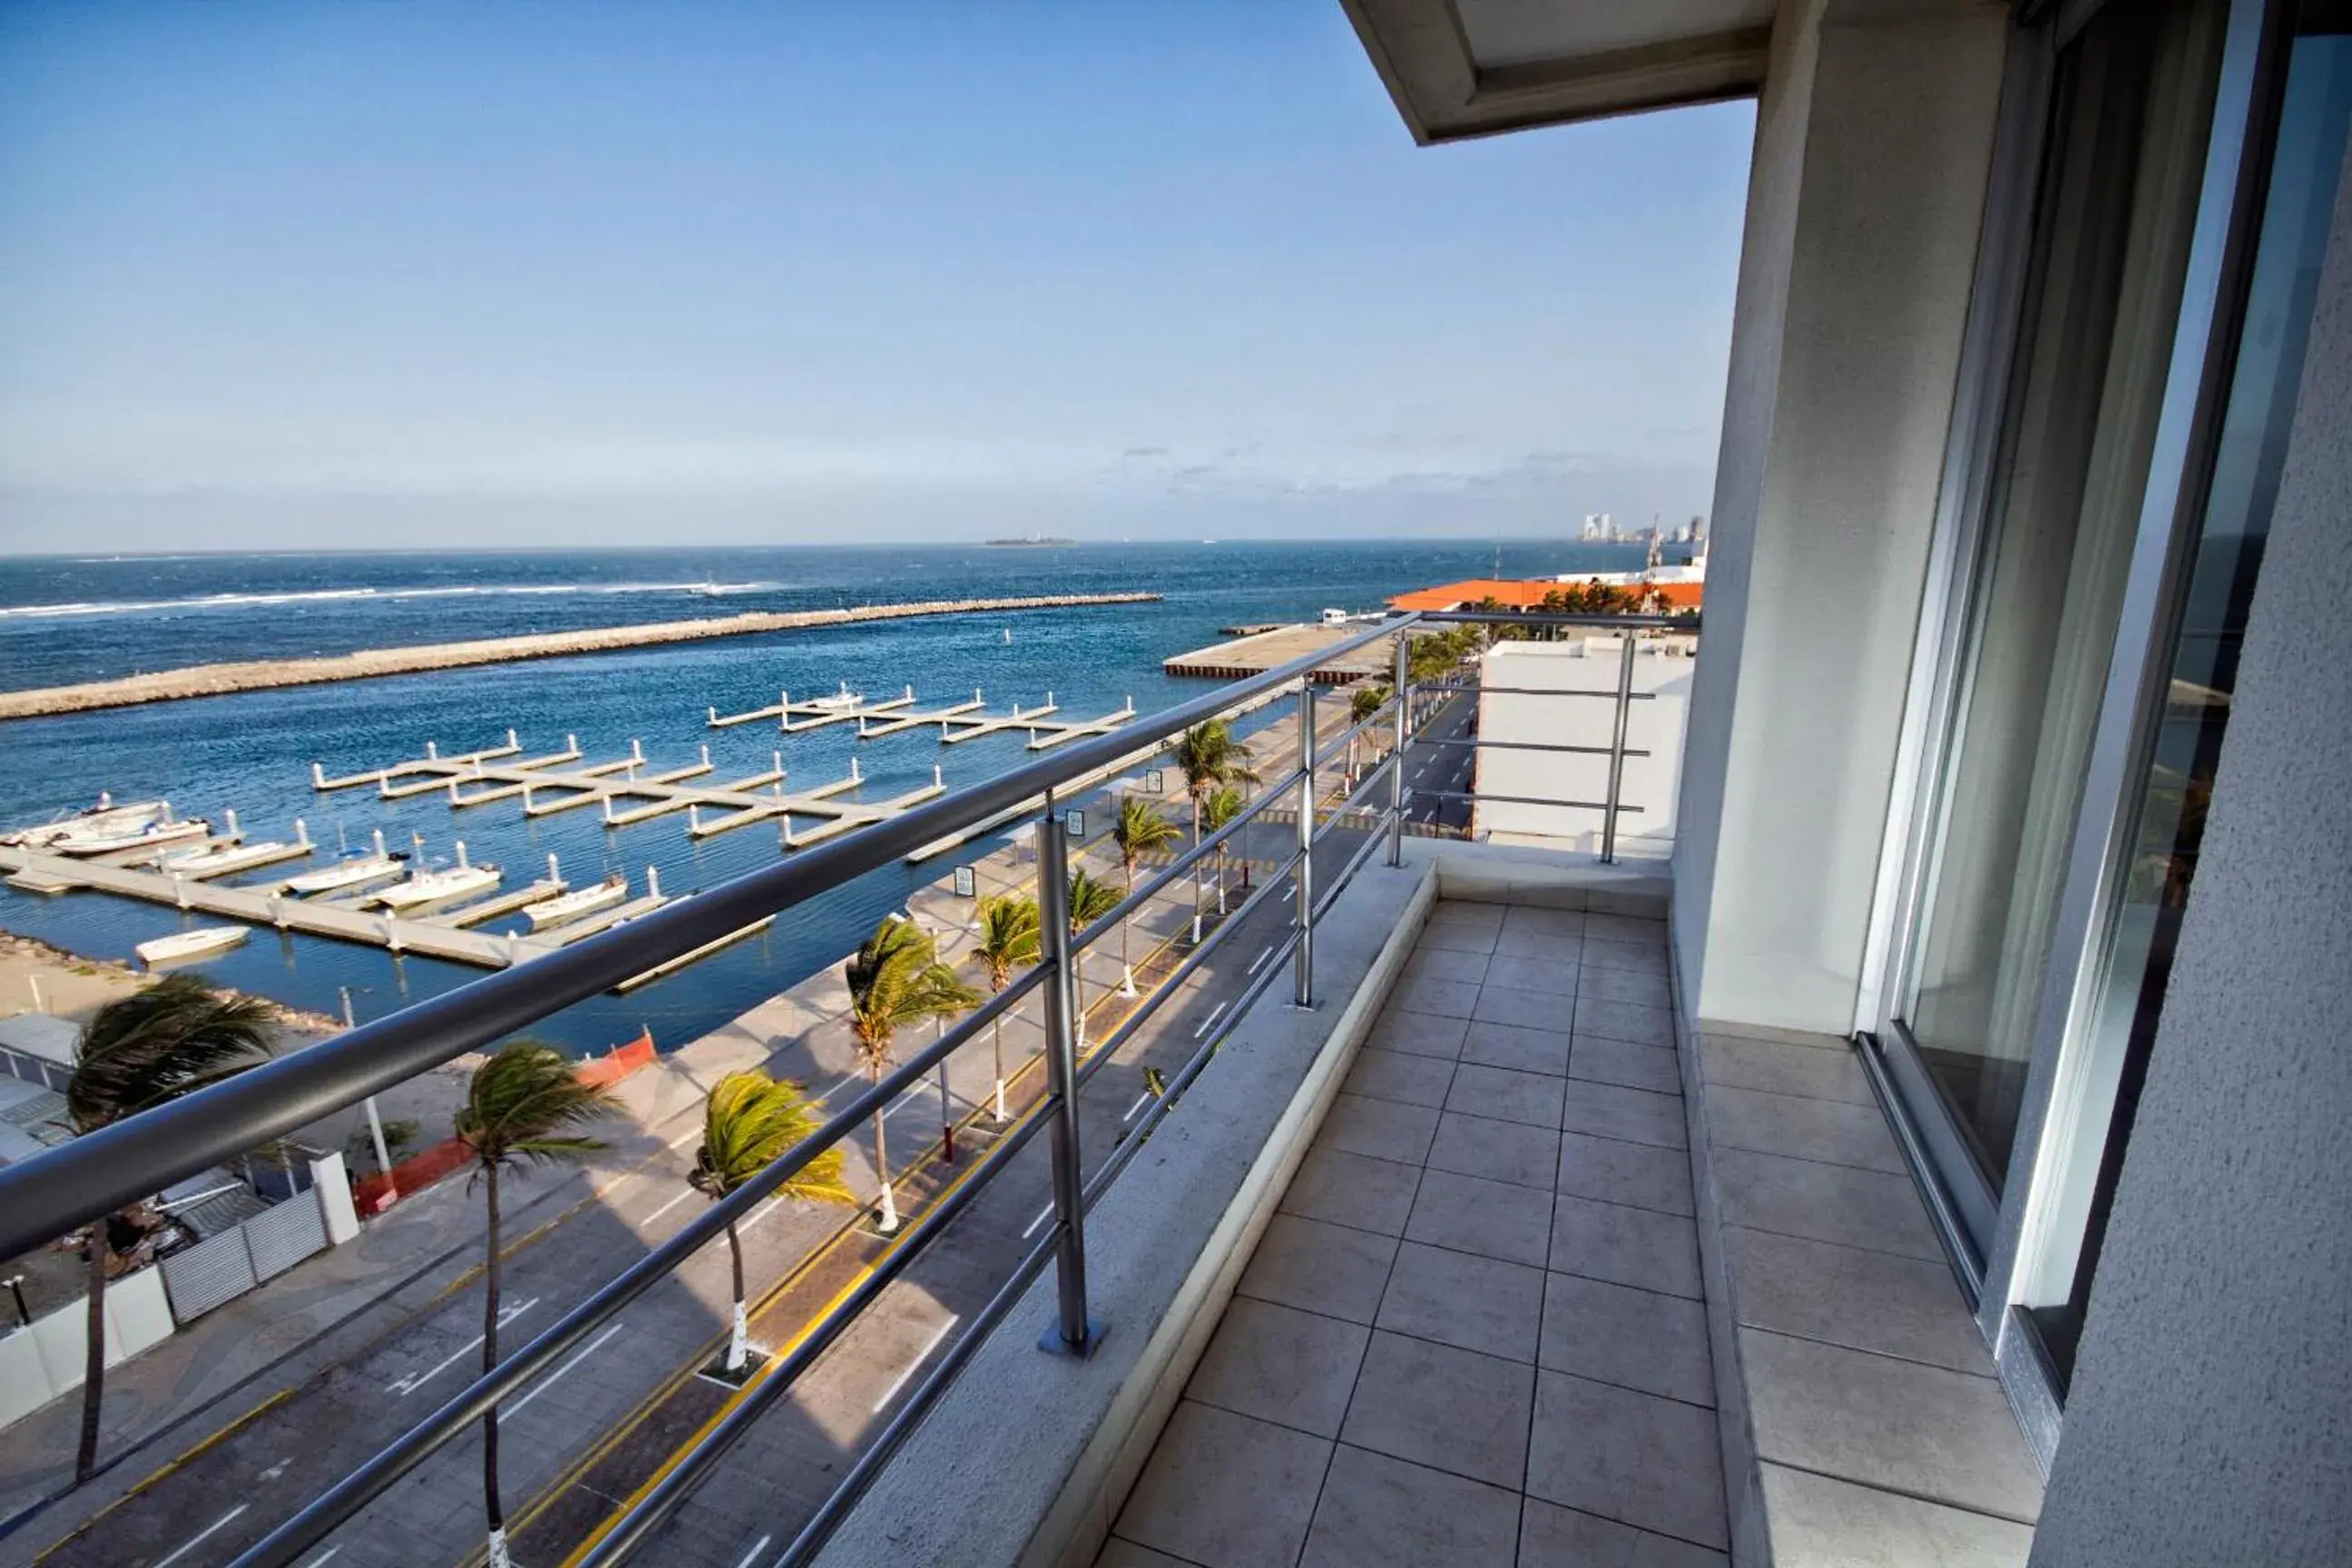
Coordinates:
column 1582, row 678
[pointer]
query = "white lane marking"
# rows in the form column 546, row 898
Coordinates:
column 199, row 1538
column 1140, row 1101
column 1259, row 961
column 1290, row 892
column 408, row 1386
column 688, row 1135
column 753, row 1555
column 922, row 1355
column 1043, row 1215
column 681, row 1197
column 550, row 1380
column 321, row 1559
column 765, row 1210
column 1208, row 1022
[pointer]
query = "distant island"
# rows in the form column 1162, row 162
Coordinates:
column 1031, row 543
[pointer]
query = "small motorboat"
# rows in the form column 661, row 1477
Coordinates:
column 581, row 901
column 229, row 858
column 843, row 698
column 351, row 871
column 104, row 818
column 439, row 886
column 182, row 946
column 152, row 836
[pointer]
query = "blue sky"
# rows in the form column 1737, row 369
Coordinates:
column 309, row 276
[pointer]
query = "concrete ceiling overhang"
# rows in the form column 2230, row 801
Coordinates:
column 1473, row 67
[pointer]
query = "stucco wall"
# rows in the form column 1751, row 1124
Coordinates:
column 2211, row 1419
column 1865, row 205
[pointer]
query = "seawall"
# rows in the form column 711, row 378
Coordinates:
column 258, row 675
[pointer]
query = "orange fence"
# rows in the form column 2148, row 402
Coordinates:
column 374, row 1192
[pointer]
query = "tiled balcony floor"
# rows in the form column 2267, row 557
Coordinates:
column 1474, row 1333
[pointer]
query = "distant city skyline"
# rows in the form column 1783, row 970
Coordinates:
column 506, row 277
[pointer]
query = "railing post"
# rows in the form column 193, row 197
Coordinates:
column 1072, row 1333
column 1305, row 964
column 1398, row 689
column 1617, row 750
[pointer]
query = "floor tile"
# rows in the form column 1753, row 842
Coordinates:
column 1825, row 1203
column 1625, row 985
column 1804, row 1128
column 1737, row 1062
column 1417, row 1034
column 1447, row 998
column 1384, row 1128
column 1635, row 1338
column 1353, row 1189
column 1641, row 957
column 1499, row 1150
column 1905, row 1307
column 1469, row 912
column 1506, row 1096
column 1612, row 1110
column 1614, row 1171
column 1624, row 1021
column 1621, row 1062
column 1634, row 1458
column 1446, row 963
column 1527, row 1009
column 1548, row 974
column 1819, row 1518
column 1626, row 1246
column 1564, row 948
column 1551, row 1536
column 1943, row 1435
column 1378, row 1513
column 1625, row 928
column 1459, row 1298
column 1279, row 1364
column 1225, row 1492
column 1520, row 1050
column 1455, row 937
column 1319, row 1268
column 1118, row 1553
column 1548, row 922
column 1396, row 1075
column 1454, row 1409
column 1472, row 1214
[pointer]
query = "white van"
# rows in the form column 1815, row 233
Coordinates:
column 1335, row 618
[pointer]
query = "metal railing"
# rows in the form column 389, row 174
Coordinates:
column 99, row 1172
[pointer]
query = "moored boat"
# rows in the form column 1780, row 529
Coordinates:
column 351, row 872
column 153, row 834
column 181, row 946
column 104, row 818
column 439, row 886
column 573, row 905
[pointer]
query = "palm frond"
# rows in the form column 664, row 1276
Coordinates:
column 896, row 978
column 1011, row 936
column 750, row 1123
column 1143, row 829
column 520, row 1101
column 159, row 1043
column 1090, row 898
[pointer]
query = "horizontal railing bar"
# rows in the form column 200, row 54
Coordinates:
column 1099, row 1052
column 109, row 1169
column 1524, row 800
column 1191, row 856
column 910, row 1416
column 679, row 1481
column 1484, row 690
column 1476, row 743
column 1542, row 619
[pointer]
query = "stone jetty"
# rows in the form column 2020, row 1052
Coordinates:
column 258, row 675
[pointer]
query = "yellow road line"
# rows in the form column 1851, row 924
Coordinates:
column 187, row 1457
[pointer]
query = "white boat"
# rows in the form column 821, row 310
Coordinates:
column 844, row 698
column 229, row 858
column 435, row 886
column 154, row 835
column 351, row 872
column 581, row 901
column 181, row 946
column 104, row 818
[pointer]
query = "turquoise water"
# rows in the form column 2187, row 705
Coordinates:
column 75, row 619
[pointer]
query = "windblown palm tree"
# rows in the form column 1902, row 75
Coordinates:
column 1222, row 807
column 1367, row 702
column 1090, row 899
column 1142, row 830
column 1209, row 759
column 896, row 979
column 751, row 1122
column 1011, row 936
column 520, row 1108
column 155, row 1044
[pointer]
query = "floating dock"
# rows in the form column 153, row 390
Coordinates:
column 1262, row 650
column 958, row 721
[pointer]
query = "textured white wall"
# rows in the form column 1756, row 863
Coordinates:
column 1845, row 347
column 2211, row 1419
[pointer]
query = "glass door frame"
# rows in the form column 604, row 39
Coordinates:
column 2001, row 1243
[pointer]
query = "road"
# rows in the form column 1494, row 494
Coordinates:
column 605, row 1420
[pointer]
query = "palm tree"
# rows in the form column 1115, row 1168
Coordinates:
column 751, row 1122
column 1223, row 805
column 1366, row 702
column 1011, row 937
column 1209, row 759
column 520, row 1106
column 896, row 979
column 1141, row 831
column 1090, row 899
column 141, row 1050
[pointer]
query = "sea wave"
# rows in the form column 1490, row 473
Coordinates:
column 321, row 596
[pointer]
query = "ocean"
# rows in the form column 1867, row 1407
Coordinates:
column 65, row 619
